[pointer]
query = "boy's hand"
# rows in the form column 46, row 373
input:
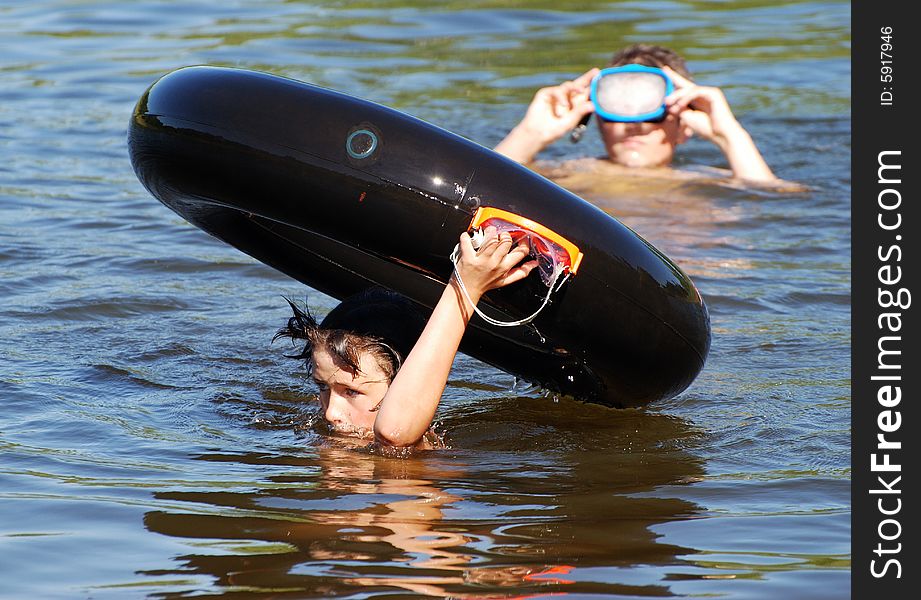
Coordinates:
column 493, row 265
column 703, row 109
column 557, row 109
column 553, row 112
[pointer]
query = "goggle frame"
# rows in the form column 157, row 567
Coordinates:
column 654, row 116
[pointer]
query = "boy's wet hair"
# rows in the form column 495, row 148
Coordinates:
column 651, row 56
column 377, row 321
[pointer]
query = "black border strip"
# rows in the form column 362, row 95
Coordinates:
column 885, row 265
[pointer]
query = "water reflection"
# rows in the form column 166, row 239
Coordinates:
column 545, row 496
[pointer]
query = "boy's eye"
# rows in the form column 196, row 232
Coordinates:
column 350, row 393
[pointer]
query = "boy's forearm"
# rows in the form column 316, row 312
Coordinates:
column 412, row 399
column 744, row 158
column 521, row 145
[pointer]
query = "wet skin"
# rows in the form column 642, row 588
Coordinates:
column 349, row 399
column 642, row 144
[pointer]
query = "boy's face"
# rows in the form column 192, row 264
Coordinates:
column 349, row 400
column 642, row 144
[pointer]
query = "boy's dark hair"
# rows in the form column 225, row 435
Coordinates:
column 651, row 56
column 378, row 321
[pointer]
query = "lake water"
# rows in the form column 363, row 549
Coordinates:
column 154, row 444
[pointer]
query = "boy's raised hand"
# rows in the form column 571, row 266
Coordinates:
column 494, row 264
column 557, row 109
column 705, row 111
column 702, row 108
column 553, row 112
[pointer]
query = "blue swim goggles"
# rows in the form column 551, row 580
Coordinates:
column 631, row 93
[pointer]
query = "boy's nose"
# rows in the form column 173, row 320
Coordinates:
column 634, row 128
column 334, row 410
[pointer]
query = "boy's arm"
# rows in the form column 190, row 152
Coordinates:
column 552, row 113
column 744, row 158
column 706, row 112
column 409, row 405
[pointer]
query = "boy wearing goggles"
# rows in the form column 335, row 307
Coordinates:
column 646, row 105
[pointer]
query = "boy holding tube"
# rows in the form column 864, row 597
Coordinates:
column 381, row 368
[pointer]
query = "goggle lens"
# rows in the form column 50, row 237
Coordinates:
column 552, row 259
column 631, row 93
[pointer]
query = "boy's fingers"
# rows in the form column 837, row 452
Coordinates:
column 466, row 244
column 586, row 78
column 498, row 246
column 513, row 257
column 489, row 238
column 520, row 272
column 682, row 95
column 677, row 78
column 492, row 242
column 698, row 98
column 684, row 101
column 554, row 100
column 564, row 100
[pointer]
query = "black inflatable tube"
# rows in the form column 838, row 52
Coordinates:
column 284, row 171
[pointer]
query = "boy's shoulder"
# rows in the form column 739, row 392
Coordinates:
column 603, row 166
